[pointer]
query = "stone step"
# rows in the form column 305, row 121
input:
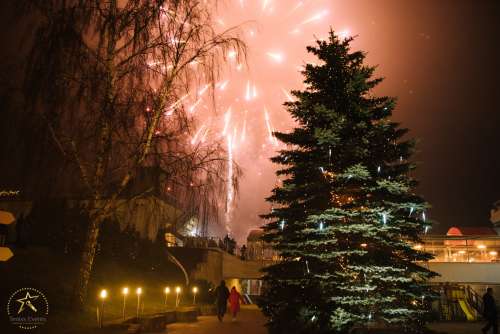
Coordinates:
column 187, row 314
column 207, row 310
column 153, row 323
column 134, row 328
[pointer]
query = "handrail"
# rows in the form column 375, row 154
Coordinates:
column 174, row 260
column 474, row 299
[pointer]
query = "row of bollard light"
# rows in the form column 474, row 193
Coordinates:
column 103, row 295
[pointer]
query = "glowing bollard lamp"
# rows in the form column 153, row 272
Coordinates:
column 177, row 300
column 195, row 291
column 102, row 295
column 139, row 293
column 125, row 293
column 166, row 291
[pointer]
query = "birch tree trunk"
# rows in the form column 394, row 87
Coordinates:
column 87, row 261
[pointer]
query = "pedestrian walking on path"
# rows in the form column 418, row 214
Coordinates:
column 234, row 302
column 221, row 296
column 490, row 312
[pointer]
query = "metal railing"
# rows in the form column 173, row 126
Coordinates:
column 474, row 299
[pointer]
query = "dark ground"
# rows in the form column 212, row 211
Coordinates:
column 251, row 321
column 53, row 274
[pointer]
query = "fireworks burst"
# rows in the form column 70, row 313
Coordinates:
column 276, row 34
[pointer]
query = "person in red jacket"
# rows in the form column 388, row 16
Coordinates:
column 234, row 302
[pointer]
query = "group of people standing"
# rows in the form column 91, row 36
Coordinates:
column 222, row 295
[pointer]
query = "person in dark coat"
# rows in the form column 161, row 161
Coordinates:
column 490, row 312
column 221, row 296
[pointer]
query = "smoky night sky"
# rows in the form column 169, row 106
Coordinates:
column 441, row 58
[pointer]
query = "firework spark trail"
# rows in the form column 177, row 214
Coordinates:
column 270, row 129
column 170, row 110
column 297, row 6
column 287, row 95
column 203, row 90
column 195, row 138
column 244, row 131
column 248, row 95
column 193, row 107
column 230, row 187
column 178, row 102
column 203, row 138
column 227, row 120
column 223, row 85
column 315, row 17
column 276, row 56
column 265, row 4
column 234, row 136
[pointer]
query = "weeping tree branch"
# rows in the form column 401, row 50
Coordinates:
column 111, row 74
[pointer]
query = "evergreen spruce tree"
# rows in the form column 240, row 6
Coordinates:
column 346, row 217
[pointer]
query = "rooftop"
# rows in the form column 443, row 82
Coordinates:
column 475, row 231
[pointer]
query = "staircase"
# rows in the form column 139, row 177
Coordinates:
column 474, row 299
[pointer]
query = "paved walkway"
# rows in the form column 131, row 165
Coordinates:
column 250, row 321
column 458, row 327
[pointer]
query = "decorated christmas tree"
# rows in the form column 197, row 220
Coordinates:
column 346, row 219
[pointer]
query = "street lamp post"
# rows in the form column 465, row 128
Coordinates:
column 195, row 291
column 138, row 292
column 125, row 293
column 177, row 300
column 103, row 296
